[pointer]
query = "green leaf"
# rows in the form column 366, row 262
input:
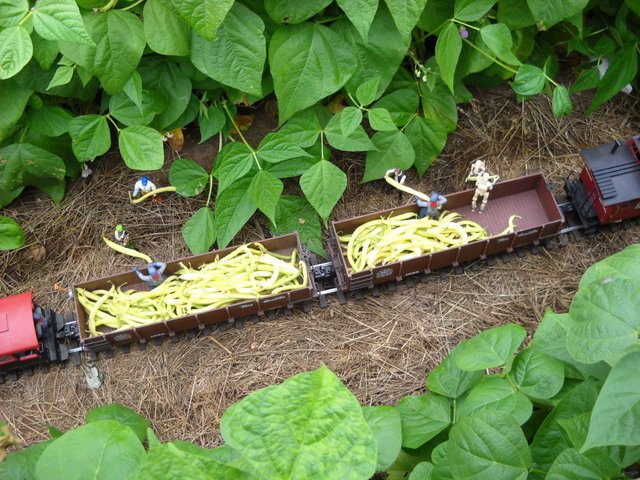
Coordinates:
column 380, row 119
column 368, row 91
column 423, row 417
column 165, row 31
column 448, row 48
column 237, row 56
column 588, row 79
column 199, row 232
column 126, row 111
column 55, row 191
column 295, row 213
column 170, row 81
column 308, row 62
column 422, row 471
column 448, row 380
column 90, row 136
column 379, row 57
column 384, row 422
column 435, row 14
column 12, row 11
column 622, row 70
column 234, row 207
column 491, row 348
column 616, row 414
column 122, row 415
column 302, row 129
column 357, row 141
column 603, row 320
column 8, row 196
column 232, row 163
column 211, row 123
column 497, row 37
column 325, row 434
column 188, row 177
column 402, row 105
column 406, row 14
column 49, row 120
column 495, row 395
column 428, row 139
column 62, row 76
column 360, row 13
column 529, row 80
column 550, row 437
column 293, row 11
column 60, row 20
column 561, row 101
column 11, row 236
column 133, row 89
column 184, row 460
column 323, row 185
column 120, row 42
column 291, row 168
column 488, row 446
column 624, row 264
column 571, row 465
column 551, row 339
column 141, row 148
column 393, row 150
column 547, row 13
column 276, row 148
column 25, row 164
column 265, row 190
column 515, row 14
column 44, row 51
column 536, row 374
column 350, row 119
column 21, row 464
column 439, row 107
column 472, row 10
column 16, row 50
column 101, row 450
column 205, row 16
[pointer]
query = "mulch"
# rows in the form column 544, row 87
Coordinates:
column 381, row 347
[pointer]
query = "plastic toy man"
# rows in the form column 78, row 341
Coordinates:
column 484, row 184
column 399, row 176
column 433, row 207
column 156, row 274
column 121, row 235
column 477, row 168
column 143, row 185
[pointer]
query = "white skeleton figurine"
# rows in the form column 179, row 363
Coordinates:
column 484, row 184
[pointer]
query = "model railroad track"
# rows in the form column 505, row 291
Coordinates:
column 604, row 195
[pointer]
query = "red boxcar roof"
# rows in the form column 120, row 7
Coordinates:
column 17, row 329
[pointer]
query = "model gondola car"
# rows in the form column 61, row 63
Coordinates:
column 607, row 190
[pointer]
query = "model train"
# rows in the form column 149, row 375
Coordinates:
column 606, row 191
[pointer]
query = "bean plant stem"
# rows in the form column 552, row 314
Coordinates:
column 26, row 17
column 111, row 4
column 490, row 57
column 133, row 5
column 108, row 117
column 244, row 140
column 210, row 187
column 466, row 25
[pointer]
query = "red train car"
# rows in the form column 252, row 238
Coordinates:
column 608, row 190
column 30, row 335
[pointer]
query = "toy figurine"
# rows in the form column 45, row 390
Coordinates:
column 143, row 185
column 484, row 184
column 156, row 274
column 433, row 207
column 399, row 176
column 121, row 235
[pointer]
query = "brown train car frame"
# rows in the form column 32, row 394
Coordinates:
column 284, row 244
column 528, row 197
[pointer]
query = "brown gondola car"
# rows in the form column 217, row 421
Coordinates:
column 285, row 245
column 527, row 197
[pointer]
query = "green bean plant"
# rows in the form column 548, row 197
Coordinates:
column 78, row 76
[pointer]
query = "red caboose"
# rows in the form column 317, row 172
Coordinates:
column 30, row 335
column 611, row 180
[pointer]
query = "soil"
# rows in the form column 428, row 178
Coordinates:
column 382, row 348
